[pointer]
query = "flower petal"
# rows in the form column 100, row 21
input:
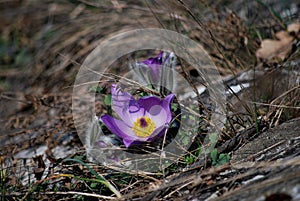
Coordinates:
column 117, row 127
column 147, row 102
column 159, row 110
column 127, row 142
column 154, row 60
column 125, row 106
column 166, row 104
column 122, row 130
column 158, row 115
column 156, row 65
column 129, row 110
column 157, row 133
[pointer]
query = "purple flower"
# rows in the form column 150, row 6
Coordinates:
column 157, row 71
column 140, row 121
column 155, row 64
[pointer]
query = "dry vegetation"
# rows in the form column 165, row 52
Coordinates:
column 43, row 43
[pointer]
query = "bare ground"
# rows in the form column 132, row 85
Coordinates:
column 42, row 47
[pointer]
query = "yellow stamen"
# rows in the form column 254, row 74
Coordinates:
column 143, row 126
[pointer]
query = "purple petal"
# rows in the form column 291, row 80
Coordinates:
column 154, row 60
column 156, row 65
column 166, row 104
column 125, row 106
column 157, row 133
column 155, row 71
column 120, row 129
column 147, row 102
column 127, row 143
column 156, row 107
column 128, row 109
column 158, row 115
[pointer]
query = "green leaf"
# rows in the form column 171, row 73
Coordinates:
column 223, row 158
column 142, row 94
column 214, row 155
column 189, row 159
column 79, row 157
column 174, row 106
column 93, row 185
column 107, row 100
column 199, row 150
column 100, row 178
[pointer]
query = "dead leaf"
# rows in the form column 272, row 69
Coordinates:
column 294, row 29
column 280, row 47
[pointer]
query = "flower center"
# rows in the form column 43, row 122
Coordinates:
column 143, row 126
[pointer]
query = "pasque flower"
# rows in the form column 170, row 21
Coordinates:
column 142, row 120
column 155, row 64
column 157, row 70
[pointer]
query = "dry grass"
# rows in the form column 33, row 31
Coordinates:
column 42, row 45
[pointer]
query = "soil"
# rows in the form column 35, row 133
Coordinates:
column 44, row 43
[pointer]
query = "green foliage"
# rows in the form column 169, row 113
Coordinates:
column 189, row 159
column 100, row 179
column 142, row 94
column 93, row 185
column 103, row 93
column 122, row 178
column 81, row 158
column 192, row 157
column 219, row 159
column 108, row 100
column 174, row 107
